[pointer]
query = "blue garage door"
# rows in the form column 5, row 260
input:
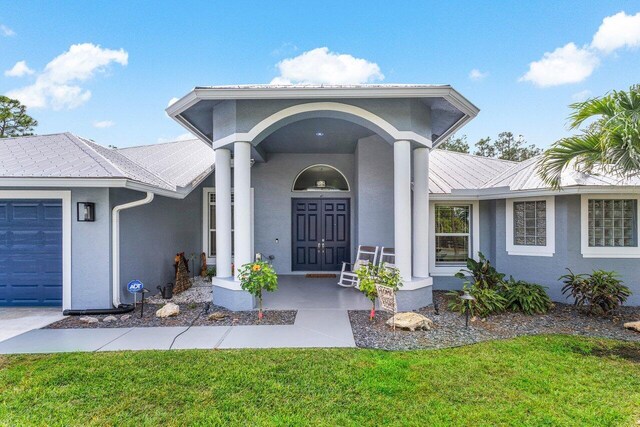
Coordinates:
column 30, row 252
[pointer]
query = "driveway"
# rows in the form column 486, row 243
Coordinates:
column 18, row 320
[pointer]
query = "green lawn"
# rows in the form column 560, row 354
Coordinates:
column 544, row 380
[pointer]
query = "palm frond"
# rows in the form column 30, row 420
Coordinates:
column 583, row 151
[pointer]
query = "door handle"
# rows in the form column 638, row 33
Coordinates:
column 319, row 246
column 323, row 246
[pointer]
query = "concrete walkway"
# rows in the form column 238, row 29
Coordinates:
column 18, row 320
column 312, row 328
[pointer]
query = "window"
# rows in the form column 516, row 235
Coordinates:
column 320, row 178
column 609, row 226
column 530, row 223
column 453, row 234
column 612, row 222
column 530, row 226
column 211, row 224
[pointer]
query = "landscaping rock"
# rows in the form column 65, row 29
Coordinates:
column 411, row 321
column 89, row 319
column 110, row 319
column 169, row 310
column 125, row 317
column 217, row 315
column 634, row 326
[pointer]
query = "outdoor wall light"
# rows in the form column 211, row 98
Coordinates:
column 86, row 211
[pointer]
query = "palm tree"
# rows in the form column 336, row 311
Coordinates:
column 611, row 143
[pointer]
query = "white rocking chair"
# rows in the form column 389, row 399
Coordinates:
column 387, row 257
column 365, row 255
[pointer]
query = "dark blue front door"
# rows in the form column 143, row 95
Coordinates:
column 320, row 234
column 30, row 252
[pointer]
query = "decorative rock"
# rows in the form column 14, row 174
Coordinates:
column 125, row 317
column 109, row 319
column 634, row 326
column 217, row 315
column 89, row 319
column 411, row 321
column 169, row 309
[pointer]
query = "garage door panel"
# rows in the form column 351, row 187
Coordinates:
column 30, row 252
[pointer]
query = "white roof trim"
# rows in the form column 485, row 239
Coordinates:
column 92, row 182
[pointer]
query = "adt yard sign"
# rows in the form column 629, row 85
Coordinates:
column 135, row 286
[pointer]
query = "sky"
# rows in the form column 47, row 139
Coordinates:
column 106, row 70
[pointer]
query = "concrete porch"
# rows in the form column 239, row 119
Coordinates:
column 296, row 292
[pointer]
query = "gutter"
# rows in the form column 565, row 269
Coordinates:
column 115, row 244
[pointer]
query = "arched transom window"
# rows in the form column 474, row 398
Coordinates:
column 320, row 178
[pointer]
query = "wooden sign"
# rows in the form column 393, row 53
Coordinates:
column 387, row 298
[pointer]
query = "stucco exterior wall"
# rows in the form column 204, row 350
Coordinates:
column 374, row 159
column 403, row 114
column 151, row 235
column 91, row 251
column 272, row 183
column 541, row 269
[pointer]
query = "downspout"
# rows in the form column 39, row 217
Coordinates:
column 115, row 244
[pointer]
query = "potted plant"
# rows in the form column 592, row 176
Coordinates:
column 370, row 275
column 256, row 277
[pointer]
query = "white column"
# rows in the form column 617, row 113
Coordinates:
column 242, row 204
column 421, row 212
column 402, row 206
column 223, row 212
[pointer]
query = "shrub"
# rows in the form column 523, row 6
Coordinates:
column 370, row 275
column 601, row 290
column 211, row 271
column 529, row 298
column 256, row 277
column 487, row 301
column 483, row 273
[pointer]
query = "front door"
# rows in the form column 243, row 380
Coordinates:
column 320, row 234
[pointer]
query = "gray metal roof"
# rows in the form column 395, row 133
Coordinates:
column 450, row 170
column 66, row 155
column 524, row 176
column 177, row 167
column 181, row 163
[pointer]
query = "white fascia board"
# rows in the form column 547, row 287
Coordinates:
column 505, row 193
column 92, row 182
column 320, row 92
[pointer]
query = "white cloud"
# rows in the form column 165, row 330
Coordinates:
column 182, row 137
column 583, row 95
column 57, row 86
column 477, row 75
column 6, row 31
column 20, row 69
column 102, row 124
column 617, row 31
column 567, row 64
column 320, row 66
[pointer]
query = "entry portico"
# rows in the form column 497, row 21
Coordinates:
column 377, row 137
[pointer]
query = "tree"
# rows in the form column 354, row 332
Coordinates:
column 14, row 120
column 507, row 147
column 459, row 145
column 611, row 143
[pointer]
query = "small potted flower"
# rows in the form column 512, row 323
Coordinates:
column 370, row 275
column 257, row 277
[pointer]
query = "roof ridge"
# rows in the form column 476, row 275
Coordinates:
column 81, row 142
column 88, row 143
column 515, row 169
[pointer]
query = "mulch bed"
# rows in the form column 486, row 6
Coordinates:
column 449, row 330
column 187, row 313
